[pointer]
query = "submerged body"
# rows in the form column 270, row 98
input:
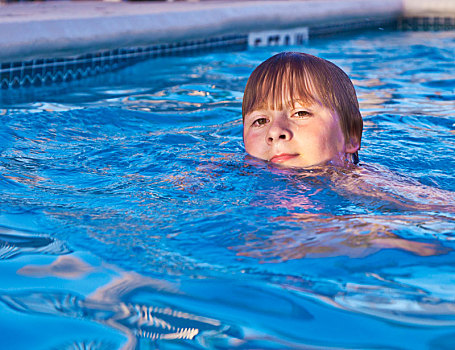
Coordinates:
column 301, row 112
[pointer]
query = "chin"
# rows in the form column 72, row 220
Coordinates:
column 294, row 164
column 302, row 163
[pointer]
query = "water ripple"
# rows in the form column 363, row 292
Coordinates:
column 14, row 243
column 145, row 168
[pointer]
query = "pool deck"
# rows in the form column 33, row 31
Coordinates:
column 60, row 29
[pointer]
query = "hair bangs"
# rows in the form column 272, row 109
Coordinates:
column 276, row 86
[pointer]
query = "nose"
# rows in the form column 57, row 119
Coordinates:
column 279, row 130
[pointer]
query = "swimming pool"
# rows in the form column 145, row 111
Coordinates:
column 131, row 216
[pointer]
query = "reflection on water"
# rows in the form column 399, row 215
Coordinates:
column 112, row 304
column 329, row 236
column 62, row 267
column 132, row 218
column 14, row 242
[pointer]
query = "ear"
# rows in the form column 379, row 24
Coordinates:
column 352, row 145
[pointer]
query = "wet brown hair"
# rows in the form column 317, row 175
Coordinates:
column 289, row 77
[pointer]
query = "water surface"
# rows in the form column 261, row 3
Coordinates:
column 131, row 217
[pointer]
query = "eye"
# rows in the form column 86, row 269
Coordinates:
column 302, row 114
column 260, row 122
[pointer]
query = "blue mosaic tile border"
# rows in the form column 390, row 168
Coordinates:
column 48, row 71
column 426, row 23
column 324, row 30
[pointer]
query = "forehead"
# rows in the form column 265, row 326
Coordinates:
column 287, row 103
column 284, row 100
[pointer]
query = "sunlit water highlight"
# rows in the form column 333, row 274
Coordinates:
column 131, row 217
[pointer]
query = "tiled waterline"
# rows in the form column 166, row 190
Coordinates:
column 63, row 69
column 430, row 23
column 54, row 70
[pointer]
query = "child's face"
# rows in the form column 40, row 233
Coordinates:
column 301, row 136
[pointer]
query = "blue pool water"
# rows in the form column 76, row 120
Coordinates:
column 131, row 217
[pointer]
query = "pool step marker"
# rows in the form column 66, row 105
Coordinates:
column 294, row 36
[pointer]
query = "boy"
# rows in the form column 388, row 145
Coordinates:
column 300, row 110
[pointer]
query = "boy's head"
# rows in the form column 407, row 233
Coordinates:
column 301, row 110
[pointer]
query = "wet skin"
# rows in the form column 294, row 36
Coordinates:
column 298, row 136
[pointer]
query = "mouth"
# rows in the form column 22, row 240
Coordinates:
column 281, row 158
